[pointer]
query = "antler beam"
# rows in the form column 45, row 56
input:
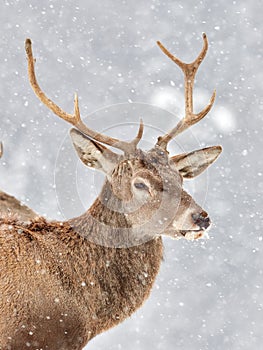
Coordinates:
column 189, row 70
column 75, row 119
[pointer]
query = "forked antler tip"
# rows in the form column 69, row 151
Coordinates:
column 164, row 49
column 189, row 70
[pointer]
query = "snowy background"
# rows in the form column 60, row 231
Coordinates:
column 209, row 295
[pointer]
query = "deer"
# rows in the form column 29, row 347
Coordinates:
column 11, row 206
column 63, row 283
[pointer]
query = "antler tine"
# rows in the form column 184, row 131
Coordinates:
column 75, row 119
column 139, row 135
column 1, row 149
column 189, row 70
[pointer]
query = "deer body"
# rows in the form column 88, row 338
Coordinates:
column 63, row 283
column 75, row 288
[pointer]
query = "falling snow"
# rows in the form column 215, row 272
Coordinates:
column 209, row 293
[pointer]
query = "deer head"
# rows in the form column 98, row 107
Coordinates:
column 144, row 187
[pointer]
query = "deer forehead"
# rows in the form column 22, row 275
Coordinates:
column 153, row 166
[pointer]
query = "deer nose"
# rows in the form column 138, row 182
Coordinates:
column 202, row 220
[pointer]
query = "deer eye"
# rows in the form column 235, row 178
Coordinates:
column 140, row 186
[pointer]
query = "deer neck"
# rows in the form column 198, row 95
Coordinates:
column 124, row 277
column 110, row 222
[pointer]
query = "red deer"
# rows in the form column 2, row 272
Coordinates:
column 62, row 283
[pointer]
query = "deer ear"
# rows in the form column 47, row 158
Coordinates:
column 93, row 154
column 194, row 163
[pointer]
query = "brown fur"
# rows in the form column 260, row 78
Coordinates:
column 10, row 206
column 74, row 288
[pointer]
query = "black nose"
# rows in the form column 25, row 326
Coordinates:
column 201, row 219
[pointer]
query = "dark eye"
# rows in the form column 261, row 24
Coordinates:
column 140, row 186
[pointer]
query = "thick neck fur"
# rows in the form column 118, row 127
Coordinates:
column 112, row 222
column 74, row 288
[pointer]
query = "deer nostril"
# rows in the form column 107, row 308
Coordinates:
column 201, row 219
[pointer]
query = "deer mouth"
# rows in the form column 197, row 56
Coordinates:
column 192, row 235
column 189, row 235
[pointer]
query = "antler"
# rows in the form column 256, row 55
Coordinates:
column 189, row 70
column 75, row 119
